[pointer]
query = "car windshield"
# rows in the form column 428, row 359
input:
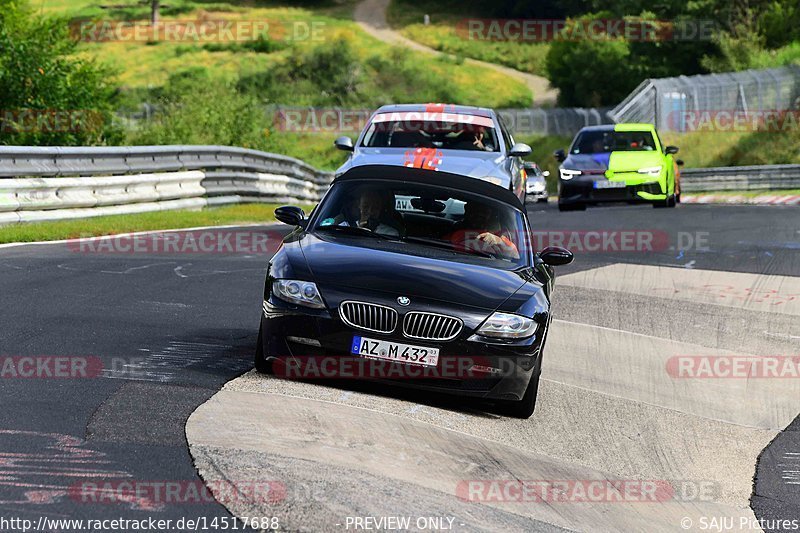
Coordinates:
column 595, row 142
column 425, row 218
column 450, row 131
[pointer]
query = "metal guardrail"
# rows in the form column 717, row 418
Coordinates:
column 52, row 183
column 744, row 178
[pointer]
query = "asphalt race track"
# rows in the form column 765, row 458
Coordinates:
column 161, row 334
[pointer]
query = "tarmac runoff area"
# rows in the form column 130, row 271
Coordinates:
column 653, row 409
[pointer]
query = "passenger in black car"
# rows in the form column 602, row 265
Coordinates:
column 480, row 229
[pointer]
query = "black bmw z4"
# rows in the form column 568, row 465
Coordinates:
column 420, row 278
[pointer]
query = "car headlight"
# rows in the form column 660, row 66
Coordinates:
column 650, row 171
column 507, row 326
column 567, row 174
column 303, row 293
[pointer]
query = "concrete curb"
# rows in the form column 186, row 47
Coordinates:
column 766, row 199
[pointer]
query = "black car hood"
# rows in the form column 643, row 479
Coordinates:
column 475, row 164
column 332, row 262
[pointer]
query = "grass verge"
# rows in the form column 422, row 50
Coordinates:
column 111, row 225
column 148, row 64
column 442, row 34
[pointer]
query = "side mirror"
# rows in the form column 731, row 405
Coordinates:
column 560, row 155
column 520, row 150
column 546, row 173
column 671, row 150
column 679, row 162
column 290, row 214
column 344, row 143
column 556, row 256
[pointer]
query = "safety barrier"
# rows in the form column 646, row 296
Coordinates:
column 745, row 178
column 52, row 183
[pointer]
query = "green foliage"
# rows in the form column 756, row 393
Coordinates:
column 602, row 72
column 194, row 109
column 50, row 96
column 737, row 50
column 592, row 73
column 333, row 74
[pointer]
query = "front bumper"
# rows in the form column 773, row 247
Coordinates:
column 582, row 189
column 537, row 195
column 315, row 344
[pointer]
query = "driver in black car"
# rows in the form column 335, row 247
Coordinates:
column 372, row 209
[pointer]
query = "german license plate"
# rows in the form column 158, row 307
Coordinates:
column 394, row 351
column 605, row 184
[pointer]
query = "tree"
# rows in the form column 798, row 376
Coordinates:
column 49, row 95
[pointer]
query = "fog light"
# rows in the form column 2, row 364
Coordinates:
column 304, row 340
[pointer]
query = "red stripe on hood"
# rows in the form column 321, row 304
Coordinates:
column 426, row 158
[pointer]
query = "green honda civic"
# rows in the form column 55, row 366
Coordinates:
column 618, row 163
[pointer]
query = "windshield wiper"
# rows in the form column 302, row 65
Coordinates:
column 355, row 230
column 449, row 246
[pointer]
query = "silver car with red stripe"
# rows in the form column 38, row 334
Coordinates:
column 464, row 140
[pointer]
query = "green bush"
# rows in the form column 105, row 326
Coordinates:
column 591, row 73
column 595, row 72
column 72, row 98
column 334, row 75
column 193, row 108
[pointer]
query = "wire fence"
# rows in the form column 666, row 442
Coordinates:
column 563, row 121
column 685, row 103
column 544, row 121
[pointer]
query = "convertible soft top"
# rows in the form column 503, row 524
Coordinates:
column 445, row 179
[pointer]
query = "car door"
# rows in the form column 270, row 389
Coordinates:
column 512, row 165
column 669, row 163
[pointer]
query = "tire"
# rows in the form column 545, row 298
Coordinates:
column 263, row 365
column 571, row 207
column 525, row 407
column 542, row 200
column 669, row 202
